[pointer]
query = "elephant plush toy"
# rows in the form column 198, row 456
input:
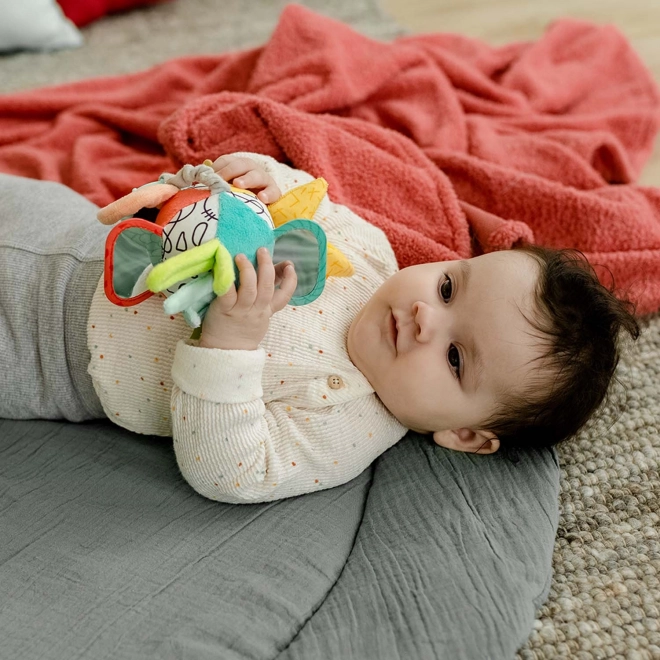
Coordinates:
column 189, row 228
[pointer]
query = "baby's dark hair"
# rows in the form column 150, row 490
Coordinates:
column 581, row 321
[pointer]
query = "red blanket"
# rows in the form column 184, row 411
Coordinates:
column 547, row 136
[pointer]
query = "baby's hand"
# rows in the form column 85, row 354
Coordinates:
column 245, row 173
column 239, row 319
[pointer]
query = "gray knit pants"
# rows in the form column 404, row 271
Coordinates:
column 51, row 258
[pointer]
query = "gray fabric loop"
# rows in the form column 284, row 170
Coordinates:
column 202, row 174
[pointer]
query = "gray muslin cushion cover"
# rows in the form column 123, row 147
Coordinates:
column 107, row 553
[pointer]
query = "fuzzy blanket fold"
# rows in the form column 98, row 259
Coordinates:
column 417, row 135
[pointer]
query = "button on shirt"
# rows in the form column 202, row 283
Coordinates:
column 335, row 382
column 294, row 416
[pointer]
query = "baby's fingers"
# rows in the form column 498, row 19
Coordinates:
column 279, row 271
column 246, row 173
column 247, row 291
column 225, row 303
column 287, row 287
column 265, row 278
column 255, row 179
column 229, row 167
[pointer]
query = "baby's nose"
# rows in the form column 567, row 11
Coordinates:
column 425, row 321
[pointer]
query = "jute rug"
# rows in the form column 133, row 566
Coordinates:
column 605, row 596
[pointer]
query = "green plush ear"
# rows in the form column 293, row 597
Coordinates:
column 223, row 270
column 187, row 264
column 303, row 242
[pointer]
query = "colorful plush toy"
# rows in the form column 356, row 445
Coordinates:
column 193, row 224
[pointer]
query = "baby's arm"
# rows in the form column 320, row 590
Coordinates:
column 232, row 447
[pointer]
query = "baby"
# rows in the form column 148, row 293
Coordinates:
column 513, row 348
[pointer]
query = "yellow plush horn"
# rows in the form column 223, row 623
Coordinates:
column 302, row 202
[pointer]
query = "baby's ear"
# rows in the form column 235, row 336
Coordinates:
column 467, row 440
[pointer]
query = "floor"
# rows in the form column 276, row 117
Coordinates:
column 502, row 21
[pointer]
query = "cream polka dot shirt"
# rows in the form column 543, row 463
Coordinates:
column 292, row 417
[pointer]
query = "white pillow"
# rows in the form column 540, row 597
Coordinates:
column 35, row 25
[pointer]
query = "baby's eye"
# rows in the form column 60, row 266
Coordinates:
column 454, row 359
column 446, row 288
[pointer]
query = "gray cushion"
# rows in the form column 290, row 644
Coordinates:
column 106, row 552
column 451, row 560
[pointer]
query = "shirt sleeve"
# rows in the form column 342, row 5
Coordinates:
column 232, row 447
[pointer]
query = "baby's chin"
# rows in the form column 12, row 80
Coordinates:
column 353, row 342
column 350, row 342
column 419, row 431
column 395, row 410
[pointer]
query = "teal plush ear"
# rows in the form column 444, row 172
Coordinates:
column 133, row 249
column 303, row 242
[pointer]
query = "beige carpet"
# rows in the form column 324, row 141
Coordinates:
column 605, row 596
column 136, row 40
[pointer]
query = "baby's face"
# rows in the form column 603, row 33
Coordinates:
column 443, row 343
